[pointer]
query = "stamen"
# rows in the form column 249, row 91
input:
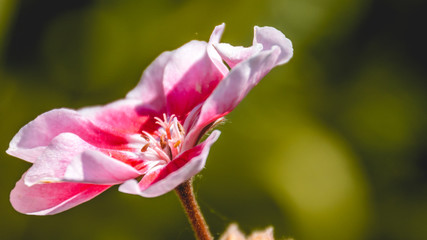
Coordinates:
column 149, row 136
column 166, row 141
column 161, row 122
column 162, row 155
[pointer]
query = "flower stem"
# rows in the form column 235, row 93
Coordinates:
column 186, row 195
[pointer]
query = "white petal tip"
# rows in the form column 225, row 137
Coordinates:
column 217, row 33
column 130, row 187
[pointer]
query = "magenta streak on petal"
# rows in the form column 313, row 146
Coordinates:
column 122, row 117
column 103, row 127
column 32, row 139
column 189, row 78
column 52, row 198
column 30, row 142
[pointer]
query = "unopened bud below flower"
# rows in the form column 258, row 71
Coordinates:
column 233, row 233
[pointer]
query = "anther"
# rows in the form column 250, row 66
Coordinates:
column 145, row 147
column 177, row 144
column 162, row 141
column 180, row 128
column 145, row 137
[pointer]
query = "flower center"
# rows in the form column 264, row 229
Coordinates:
column 166, row 143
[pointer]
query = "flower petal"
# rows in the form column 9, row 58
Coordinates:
column 165, row 179
column 269, row 37
column 234, row 55
column 70, row 159
column 189, row 78
column 32, row 139
column 97, row 168
column 122, row 117
column 232, row 90
column 213, row 53
column 264, row 39
column 150, row 88
column 217, row 34
column 186, row 76
column 51, row 198
column 249, row 65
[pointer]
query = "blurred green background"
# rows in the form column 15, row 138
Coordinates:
column 330, row 146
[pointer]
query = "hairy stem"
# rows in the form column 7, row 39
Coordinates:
column 186, row 195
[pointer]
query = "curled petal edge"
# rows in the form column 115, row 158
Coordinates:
column 52, row 163
column 270, row 37
column 97, row 168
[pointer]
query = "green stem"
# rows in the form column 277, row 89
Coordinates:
column 186, row 195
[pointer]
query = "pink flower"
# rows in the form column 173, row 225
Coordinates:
column 153, row 133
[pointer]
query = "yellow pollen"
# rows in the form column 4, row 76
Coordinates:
column 47, row 181
column 177, row 144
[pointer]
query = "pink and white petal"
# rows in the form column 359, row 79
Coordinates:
column 189, row 78
column 32, row 139
column 213, row 54
column 52, row 198
column 53, row 162
column 231, row 91
column 164, row 179
column 97, row 168
column 150, row 88
column 217, row 34
column 234, row 55
column 264, row 39
column 270, row 37
column 122, row 117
